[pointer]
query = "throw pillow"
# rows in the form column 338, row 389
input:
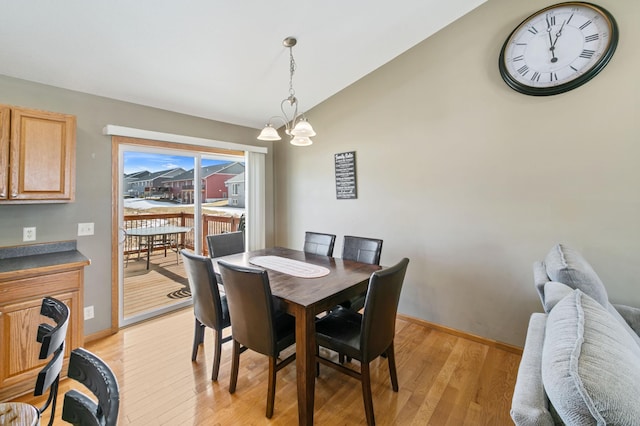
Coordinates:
column 590, row 365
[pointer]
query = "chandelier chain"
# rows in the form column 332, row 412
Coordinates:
column 292, row 70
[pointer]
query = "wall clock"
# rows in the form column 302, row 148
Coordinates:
column 558, row 48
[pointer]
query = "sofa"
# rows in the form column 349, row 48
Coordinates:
column 581, row 359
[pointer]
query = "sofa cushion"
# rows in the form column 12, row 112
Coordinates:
column 566, row 265
column 553, row 293
column 590, row 364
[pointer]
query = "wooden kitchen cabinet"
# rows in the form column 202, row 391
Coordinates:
column 21, row 294
column 37, row 156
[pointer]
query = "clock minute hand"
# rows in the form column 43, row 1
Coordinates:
column 558, row 34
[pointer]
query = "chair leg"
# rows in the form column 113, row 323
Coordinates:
column 366, row 393
column 198, row 337
column 392, row 367
column 235, row 364
column 271, row 392
column 216, row 354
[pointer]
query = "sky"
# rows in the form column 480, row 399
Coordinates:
column 139, row 161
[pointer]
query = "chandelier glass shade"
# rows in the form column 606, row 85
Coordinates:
column 295, row 125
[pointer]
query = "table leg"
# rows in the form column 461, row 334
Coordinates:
column 305, row 364
column 150, row 244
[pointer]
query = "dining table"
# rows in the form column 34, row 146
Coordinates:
column 158, row 236
column 306, row 285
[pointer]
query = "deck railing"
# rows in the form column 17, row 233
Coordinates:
column 212, row 224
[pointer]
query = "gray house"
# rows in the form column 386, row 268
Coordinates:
column 235, row 189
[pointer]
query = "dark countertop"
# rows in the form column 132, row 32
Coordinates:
column 33, row 256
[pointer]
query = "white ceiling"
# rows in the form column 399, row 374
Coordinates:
column 217, row 59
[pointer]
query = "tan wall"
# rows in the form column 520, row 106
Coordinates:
column 474, row 181
column 55, row 222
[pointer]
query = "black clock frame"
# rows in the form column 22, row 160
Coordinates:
column 579, row 80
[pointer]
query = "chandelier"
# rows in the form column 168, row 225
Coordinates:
column 297, row 125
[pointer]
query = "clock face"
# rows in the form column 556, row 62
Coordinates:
column 558, row 48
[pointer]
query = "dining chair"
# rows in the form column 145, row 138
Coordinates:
column 255, row 323
column 318, row 243
column 209, row 307
column 364, row 250
column 80, row 410
column 52, row 340
column 366, row 336
column 225, row 244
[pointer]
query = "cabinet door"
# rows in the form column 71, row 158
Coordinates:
column 4, row 151
column 19, row 363
column 42, row 155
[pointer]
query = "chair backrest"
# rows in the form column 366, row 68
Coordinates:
column 207, row 305
column 50, row 336
column 52, row 339
column 365, row 250
column 318, row 243
column 250, row 307
column 225, row 244
column 95, row 374
column 380, row 309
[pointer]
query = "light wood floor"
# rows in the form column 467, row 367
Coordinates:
column 444, row 380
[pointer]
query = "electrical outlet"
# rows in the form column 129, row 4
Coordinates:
column 85, row 229
column 88, row 312
column 29, row 234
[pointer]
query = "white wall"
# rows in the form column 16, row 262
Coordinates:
column 473, row 181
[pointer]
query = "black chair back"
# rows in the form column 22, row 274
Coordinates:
column 52, row 339
column 380, row 309
column 318, row 243
column 207, row 304
column 225, row 244
column 95, row 374
column 365, row 250
column 250, row 307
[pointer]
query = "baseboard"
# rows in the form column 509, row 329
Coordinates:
column 99, row 335
column 458, row 333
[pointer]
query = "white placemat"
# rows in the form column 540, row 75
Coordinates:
column 290, row 266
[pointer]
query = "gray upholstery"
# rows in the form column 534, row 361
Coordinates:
column 530, row 405
column 581, row 361
column 590, row 365
column 567, row 266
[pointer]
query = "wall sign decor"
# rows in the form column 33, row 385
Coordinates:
column 558, row 48
column 346, row 188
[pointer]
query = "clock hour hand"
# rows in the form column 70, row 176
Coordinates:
column 552, row 48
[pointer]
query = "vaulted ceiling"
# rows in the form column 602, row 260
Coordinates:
column 222, row 60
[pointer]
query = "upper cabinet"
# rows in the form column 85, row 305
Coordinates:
column 37, row 156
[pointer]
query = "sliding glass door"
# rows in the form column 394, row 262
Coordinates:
column 170, row 199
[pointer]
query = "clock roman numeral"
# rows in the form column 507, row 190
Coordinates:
column 573, row 68
column 551, row 19
column 591, row 38
column 523, row 70
column 587, row 54
column 553, row 76
column 535, row 76
column 533, row 30
column 518, row 58
column 585, row 25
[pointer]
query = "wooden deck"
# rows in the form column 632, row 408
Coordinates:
column 163, row 284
